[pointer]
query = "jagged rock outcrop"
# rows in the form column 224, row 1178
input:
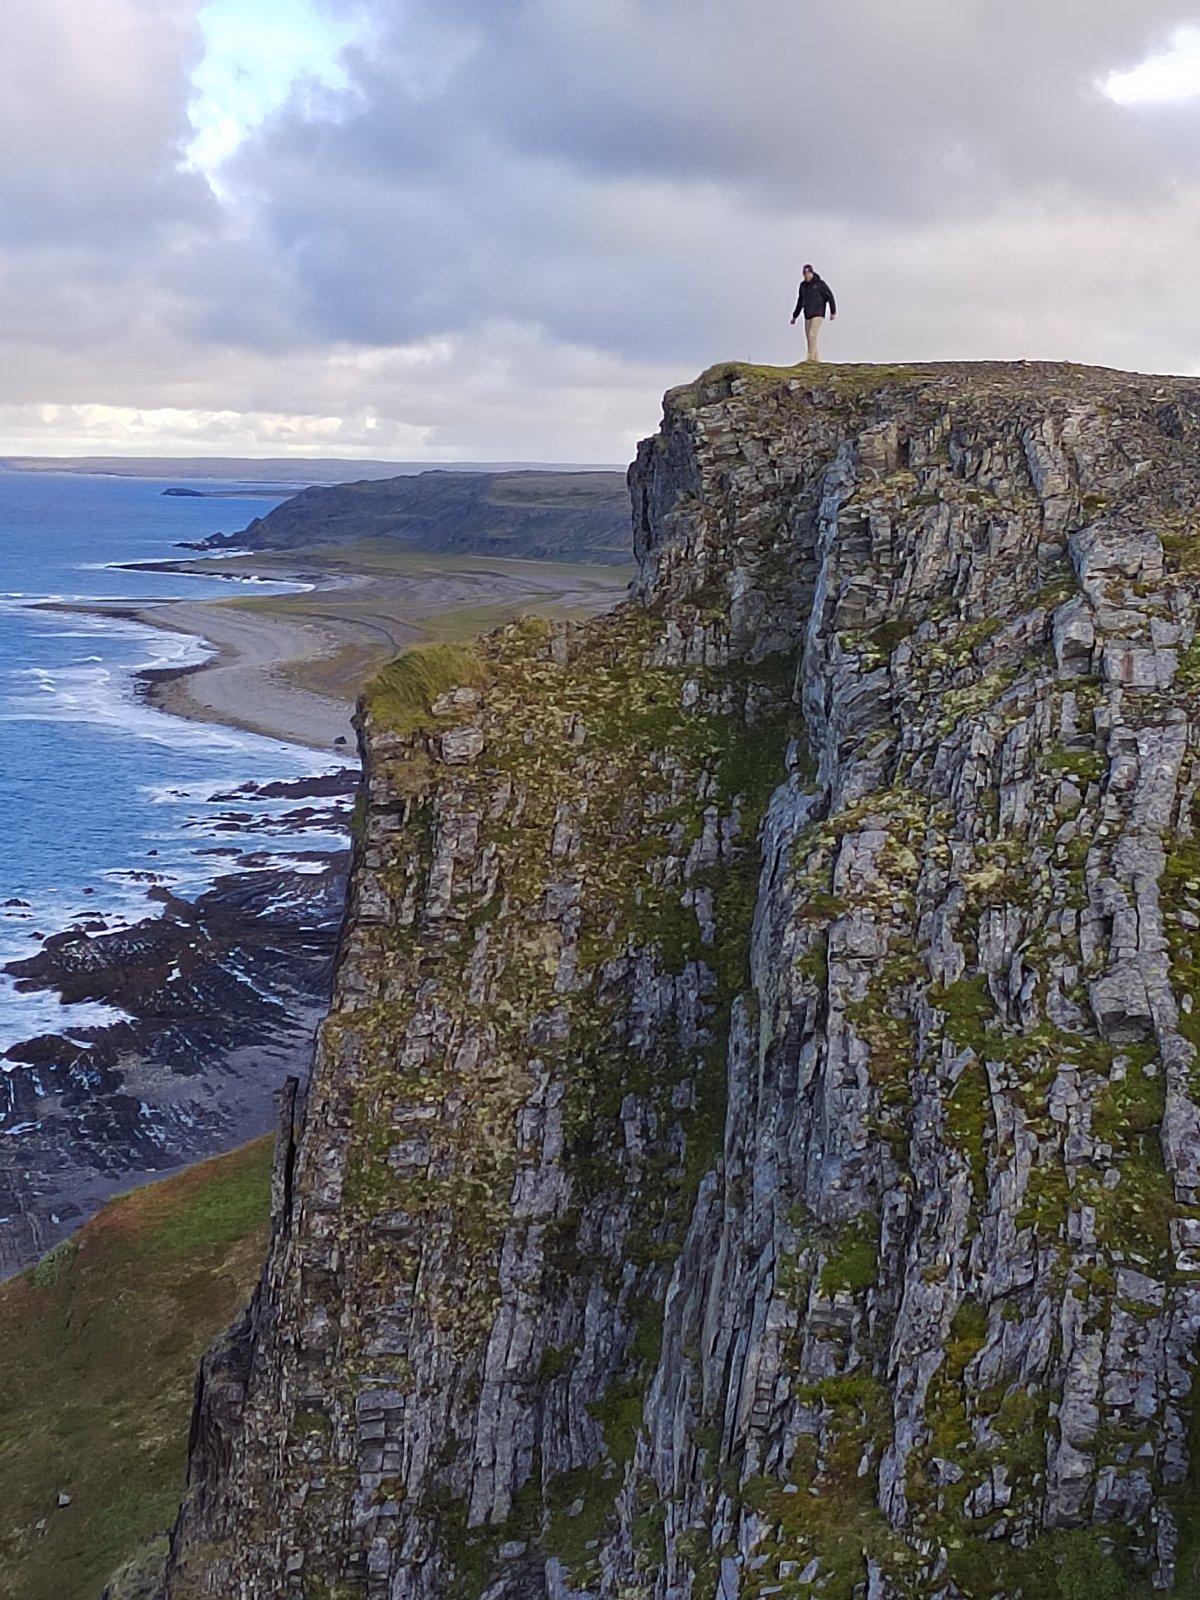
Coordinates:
column 754, row 1149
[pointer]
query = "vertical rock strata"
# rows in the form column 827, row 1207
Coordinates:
column 754, row 1148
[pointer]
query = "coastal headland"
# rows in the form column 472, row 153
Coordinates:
column 754, row 1147
column 220, row 994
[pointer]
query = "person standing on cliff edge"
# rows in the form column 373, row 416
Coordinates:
column 815, row 294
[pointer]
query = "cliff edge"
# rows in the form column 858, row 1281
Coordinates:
column 754, row 1147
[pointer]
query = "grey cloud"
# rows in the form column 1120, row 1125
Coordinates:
column 93, row 118
column 523, row 219
column 863, row 104
column 517, row 185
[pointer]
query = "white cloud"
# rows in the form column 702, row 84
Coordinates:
column 1165, row 79
column 528, row 399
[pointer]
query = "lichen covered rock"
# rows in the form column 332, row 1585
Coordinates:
column 755, row 1146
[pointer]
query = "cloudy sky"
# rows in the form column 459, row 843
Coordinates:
column 498, row 229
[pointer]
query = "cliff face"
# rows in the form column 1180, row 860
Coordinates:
column 754, row 1148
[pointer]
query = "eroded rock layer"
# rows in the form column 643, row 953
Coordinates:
column 754, row 1148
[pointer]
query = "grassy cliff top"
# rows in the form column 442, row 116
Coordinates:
column 1047, row 380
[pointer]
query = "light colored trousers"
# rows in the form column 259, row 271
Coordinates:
column 812, row 332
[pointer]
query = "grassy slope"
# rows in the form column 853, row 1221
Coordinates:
column 99, row 1347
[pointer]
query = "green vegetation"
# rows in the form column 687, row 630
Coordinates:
column 1180, row 890
column 1080, row 1564
column 99, row 1347
column 1086, row 1570
column 1087, row 766
column 967, row 1008
column 1182, row 552
column 888, row 635
column 403, row 694
column 834, row 1516
column 853, row 1263
column 840, row 378
column 1188, row 675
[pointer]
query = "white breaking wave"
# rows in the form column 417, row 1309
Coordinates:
column 27, row 1016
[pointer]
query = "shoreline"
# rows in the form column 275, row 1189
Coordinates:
column 241, row 684
column 207, row 998
column 192, row 1066
column 290, row 666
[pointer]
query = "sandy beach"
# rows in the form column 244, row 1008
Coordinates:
column 243, row 683
column 291, row 666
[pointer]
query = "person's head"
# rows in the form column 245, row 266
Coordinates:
column 809, row 274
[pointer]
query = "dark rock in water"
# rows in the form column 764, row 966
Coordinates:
column 345, row 781
column 203, row 970
column 186, row 494
column 46, row 1048
column 755, row 1147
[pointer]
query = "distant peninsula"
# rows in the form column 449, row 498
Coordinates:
column 534, row 515
column 247, row 492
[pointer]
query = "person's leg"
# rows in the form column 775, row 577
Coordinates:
column 812, row 330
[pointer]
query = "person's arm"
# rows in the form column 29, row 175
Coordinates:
column 799, row 302
column 830, row 302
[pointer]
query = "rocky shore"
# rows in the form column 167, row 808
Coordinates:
column 221, row 996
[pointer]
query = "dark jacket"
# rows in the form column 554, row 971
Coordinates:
column 814, row 296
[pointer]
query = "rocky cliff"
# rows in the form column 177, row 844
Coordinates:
column 754, row 1148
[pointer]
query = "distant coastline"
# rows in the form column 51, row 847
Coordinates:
column 246, row 492
column 298, row 472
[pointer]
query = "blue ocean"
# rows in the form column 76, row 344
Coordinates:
column 101, row 795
